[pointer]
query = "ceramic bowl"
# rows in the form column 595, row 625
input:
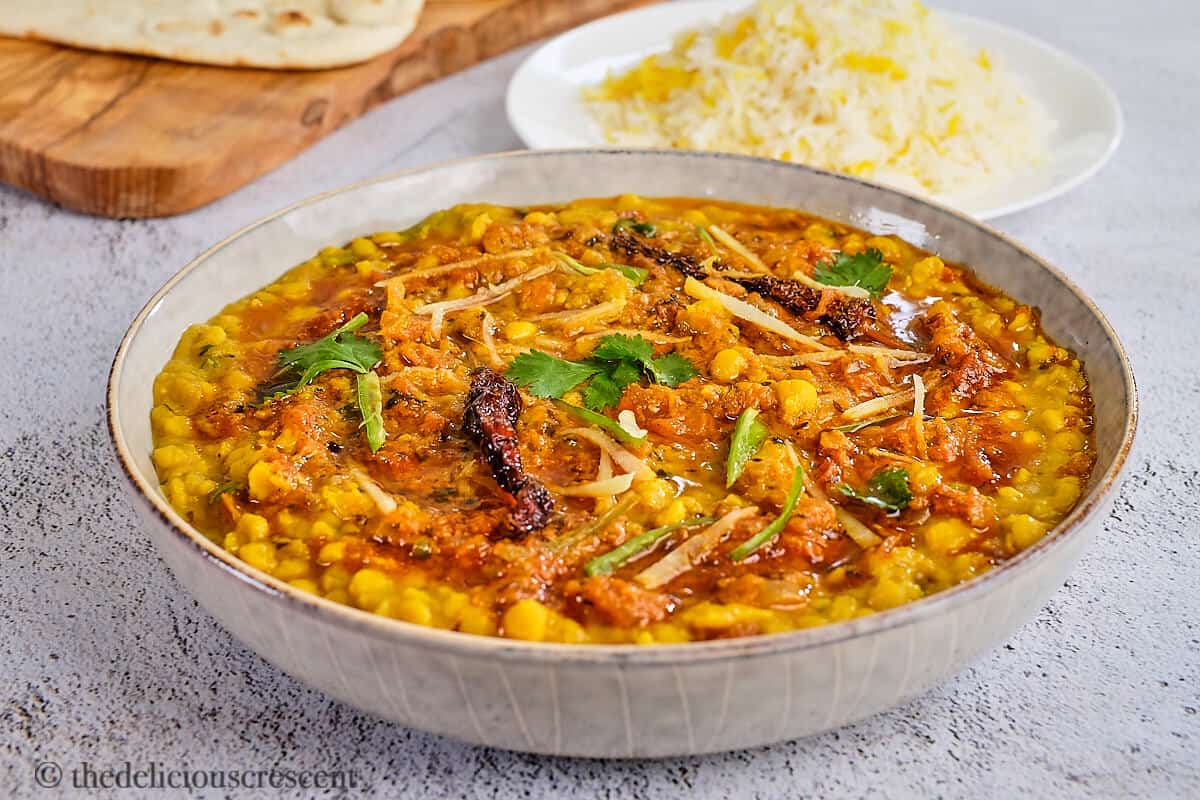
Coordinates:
column 594, row 700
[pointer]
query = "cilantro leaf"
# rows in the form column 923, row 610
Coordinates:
column 619, row 347
column 602, row 392
column 612, row 377
column 616, row 362
column 634, row 351
column 866, row 270
column 672, row 369
column 624, row 373
column 887, row 489
column 606, row 388
column 547, row 376
column 339, row 350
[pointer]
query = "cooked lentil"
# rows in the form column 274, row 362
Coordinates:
column 998, row 454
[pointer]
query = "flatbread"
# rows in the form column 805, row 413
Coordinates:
column 278, row 34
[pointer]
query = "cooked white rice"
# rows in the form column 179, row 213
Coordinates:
column 882, row 89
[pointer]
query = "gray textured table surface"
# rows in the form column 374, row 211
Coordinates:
column 104, row 659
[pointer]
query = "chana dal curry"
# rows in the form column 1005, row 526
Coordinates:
column 623, row 420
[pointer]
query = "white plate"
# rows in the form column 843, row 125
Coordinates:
column 545, row 109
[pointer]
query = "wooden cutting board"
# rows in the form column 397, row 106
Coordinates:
column 125, row 136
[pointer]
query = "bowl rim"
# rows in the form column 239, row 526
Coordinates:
column 455, row 642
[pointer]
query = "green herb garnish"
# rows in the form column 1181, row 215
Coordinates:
column 300, row 365
column 370, row 405
column 703, row 233
column 228, row 487
column 887, row 489
column 597, row 525
column 617, row 362
column 606, row 388
column 749, row 433
column 614, row 559
column 211, row 361
column 642, row 228
column 619, row 347
column 601, row 421
column 635, row 275
column 547, row 376
column 773, row 529
column 208, row 360
column 338, row 350
column 671, row 369
column 866, row 270
column 634, row 351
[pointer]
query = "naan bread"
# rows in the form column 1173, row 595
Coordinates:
column 281, row 34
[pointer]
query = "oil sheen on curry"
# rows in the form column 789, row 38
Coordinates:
column 623, row 420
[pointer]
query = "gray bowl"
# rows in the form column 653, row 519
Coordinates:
column 621, row 700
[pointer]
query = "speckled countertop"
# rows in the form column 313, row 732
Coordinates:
column 104, row 659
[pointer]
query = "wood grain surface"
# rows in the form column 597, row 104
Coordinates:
column 126, row 136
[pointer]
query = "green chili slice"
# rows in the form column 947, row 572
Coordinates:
column 772, row 530
column 614, row 559
column 370, row 405
column 635, row 275
column 574, row 537
column 748, row 436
